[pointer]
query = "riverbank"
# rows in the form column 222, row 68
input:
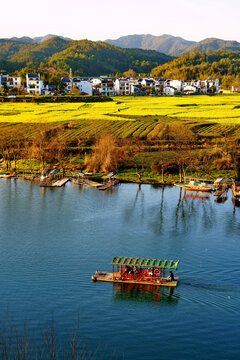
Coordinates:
column 153, row 140
column 129, row 176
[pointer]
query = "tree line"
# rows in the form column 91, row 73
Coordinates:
column 200, row 65
column 175, row 150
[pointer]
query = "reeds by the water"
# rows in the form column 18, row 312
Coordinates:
column 19, row 343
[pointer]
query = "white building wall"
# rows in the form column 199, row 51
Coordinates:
column 122, row 87
column 35, row 85
column 86, row 87
column 177, row 84
column 190, row 89
column 10, row 81
column 168, row 90
column 107, row 88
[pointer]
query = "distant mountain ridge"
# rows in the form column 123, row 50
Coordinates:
column 84, row 57
column 166, row 44
column 37, row 39
column 173, row 46
column 213, row 44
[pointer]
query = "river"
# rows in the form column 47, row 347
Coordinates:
column 53, row 240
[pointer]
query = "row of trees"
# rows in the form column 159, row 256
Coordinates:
column 177, row 150
column 200, row 65
column 47, row 146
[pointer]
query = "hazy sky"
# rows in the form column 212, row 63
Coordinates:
column 102, row 19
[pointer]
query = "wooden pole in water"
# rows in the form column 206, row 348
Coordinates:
column 113, row 272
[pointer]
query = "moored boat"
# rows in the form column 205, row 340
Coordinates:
column 221, row 188
column 236, row 191
column 140, row 271
column 196, row 184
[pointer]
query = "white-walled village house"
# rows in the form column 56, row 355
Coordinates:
column 122, row 87
column 10, row 81
column 107, row 87
column 34, row 83
column 83, row 86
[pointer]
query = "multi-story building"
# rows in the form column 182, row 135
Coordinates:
column 169, row 90
column 83, row 86
column 122, row 87
column 107, row 88
column 213, row 84
column 136, row 89
column 67, row 84
column 159, row 85
column 147, row 83
column 10, row 81
column 50, row 90
column 201, row 86
column 35, row 85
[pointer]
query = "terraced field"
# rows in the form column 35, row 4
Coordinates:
column 128, row 116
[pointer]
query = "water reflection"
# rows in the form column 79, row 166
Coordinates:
column 145, row 293
column 195, row 195
column 138, row 202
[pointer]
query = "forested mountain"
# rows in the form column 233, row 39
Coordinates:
column 213, row 45
column 174, row 46
column 37, row 39
column 166, row 44
column 199, row 65
column 84, row 57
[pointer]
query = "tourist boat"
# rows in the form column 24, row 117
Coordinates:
column 140, row 271
column 196, row 184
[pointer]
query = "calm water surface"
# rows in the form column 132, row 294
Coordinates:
column 52, row 241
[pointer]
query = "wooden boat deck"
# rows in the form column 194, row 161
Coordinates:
column 108, row 185
column 61, row 182
column 108, row 277
column 54, row 183
column 91, row 183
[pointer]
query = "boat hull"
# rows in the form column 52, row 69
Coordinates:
column 108, row 277
column 196, row 188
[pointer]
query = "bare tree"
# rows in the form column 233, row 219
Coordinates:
column 105, row 156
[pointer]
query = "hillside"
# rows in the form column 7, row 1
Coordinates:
column 166, row 44
column 174, row 46
column 200, row 65
column 37, row 39
column 213, row 45
column 84, row 57
column 94, row 58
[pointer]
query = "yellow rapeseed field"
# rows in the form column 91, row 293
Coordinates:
column 127, row 116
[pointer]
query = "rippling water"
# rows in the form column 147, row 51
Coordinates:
column 53, row 240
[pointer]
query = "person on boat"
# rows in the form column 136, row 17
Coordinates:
column 128, row 269
column 135, row 270
column 170, row 277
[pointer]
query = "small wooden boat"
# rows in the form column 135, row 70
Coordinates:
column 109, row 184
column 6, row 176
column 140, row 271
column 195, row 184
column 236, row 191
column 220, row 186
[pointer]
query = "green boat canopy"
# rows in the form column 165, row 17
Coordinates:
column 152, row 263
